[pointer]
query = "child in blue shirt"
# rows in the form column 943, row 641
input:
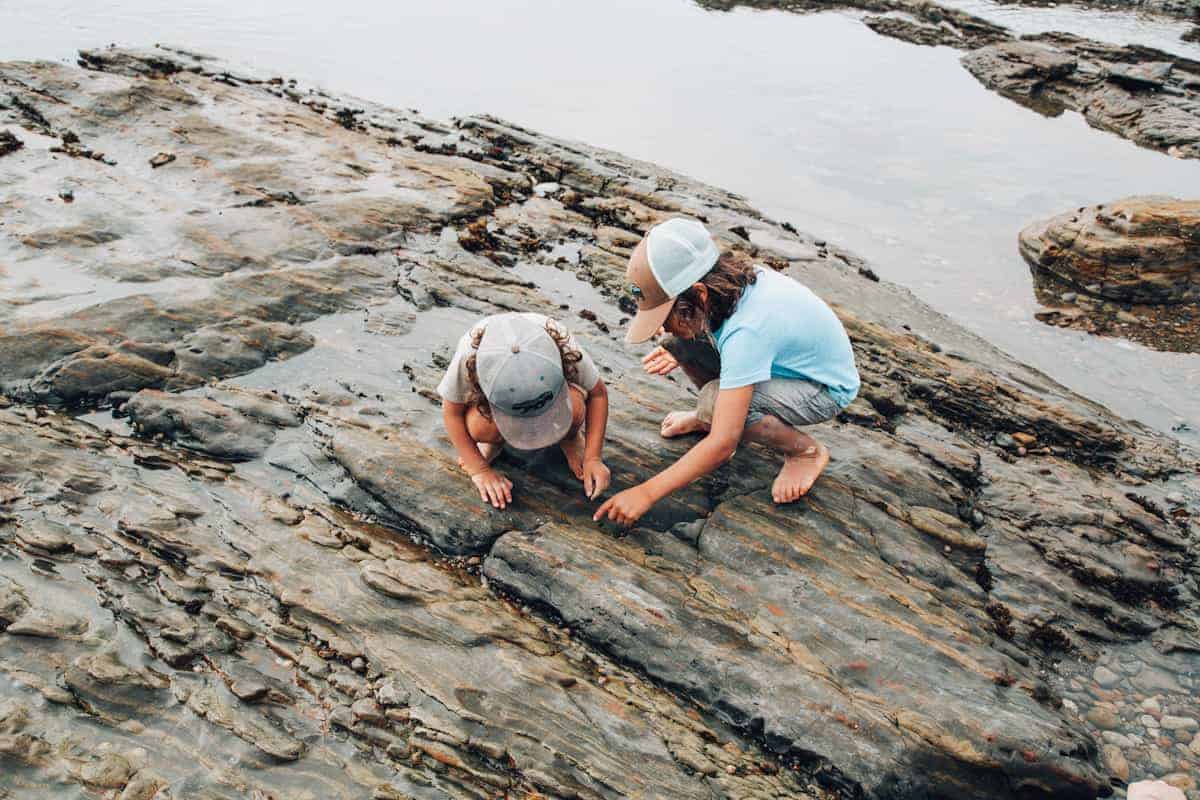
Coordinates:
column 768, row 355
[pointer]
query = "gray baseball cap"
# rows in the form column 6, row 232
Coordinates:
column 520, row 372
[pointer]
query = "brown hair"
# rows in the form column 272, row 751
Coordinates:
column 726, row 282
column 570, row 360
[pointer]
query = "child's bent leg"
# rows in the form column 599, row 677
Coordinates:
column 485, row 433
column 701, row 363
column 573, row 443
column 804, row 458
column 697, row 358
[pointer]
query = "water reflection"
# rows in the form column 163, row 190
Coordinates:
column 1168, row 328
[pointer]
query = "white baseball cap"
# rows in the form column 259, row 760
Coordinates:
column 673, row 256
column 520, row 372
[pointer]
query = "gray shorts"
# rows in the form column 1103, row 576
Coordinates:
column 796, row 401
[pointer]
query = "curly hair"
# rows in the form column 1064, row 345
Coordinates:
column 571, row 357
column 726, row 282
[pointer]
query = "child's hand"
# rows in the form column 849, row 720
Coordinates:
column 596, row 477
column 493, row 487
column 659, row 362
column 626, row 507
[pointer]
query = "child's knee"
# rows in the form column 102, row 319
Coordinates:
column 482, row 428
column 578, row 407
column 706, row 403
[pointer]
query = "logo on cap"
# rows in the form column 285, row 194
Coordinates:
column 525, row 407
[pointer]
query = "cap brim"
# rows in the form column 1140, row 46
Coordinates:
column 647, row 322
column 533, row 433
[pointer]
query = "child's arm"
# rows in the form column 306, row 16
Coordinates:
column 729, row 419
column 493, row 487
column 596, row 475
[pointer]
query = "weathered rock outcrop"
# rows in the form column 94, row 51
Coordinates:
column 1129, row 268
column 993, row 578
column 1136, row 250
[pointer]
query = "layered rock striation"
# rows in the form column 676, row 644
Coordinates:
column 228, row 513
column 1136, row 250
column 1129, row 268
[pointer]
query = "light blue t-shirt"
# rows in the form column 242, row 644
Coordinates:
column 780, row 329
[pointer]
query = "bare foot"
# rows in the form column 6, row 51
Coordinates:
column 572, row 448
column 489, row 451
column 799, row 473
column 681, row 423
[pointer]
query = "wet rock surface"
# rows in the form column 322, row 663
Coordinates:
column 1132, row 265
column 269, row 549
column 1146, row 95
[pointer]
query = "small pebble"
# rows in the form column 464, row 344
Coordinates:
column 1116, row 761
column 1119, row 739
column 1173, row 723
column 1106, row 677
column 1104, row 716
column 1160, row 761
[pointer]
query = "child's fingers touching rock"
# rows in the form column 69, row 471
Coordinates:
column 494, row 488
column 596, row 477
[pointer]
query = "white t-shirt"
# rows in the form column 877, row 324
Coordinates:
column 456, row 383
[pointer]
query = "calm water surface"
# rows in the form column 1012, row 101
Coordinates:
column 890, row 149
